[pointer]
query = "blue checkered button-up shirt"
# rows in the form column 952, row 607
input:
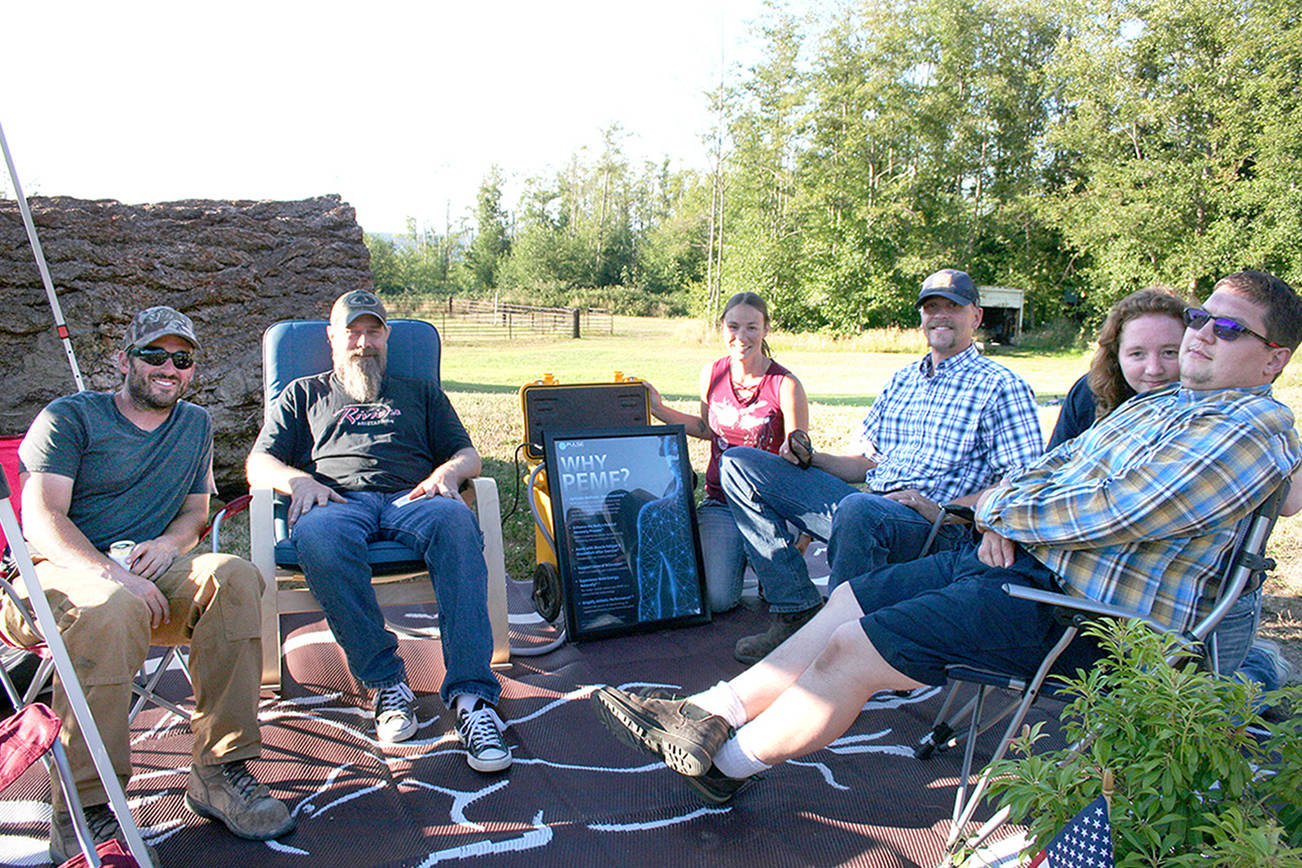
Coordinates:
column 1140, row 510
column 950, row 430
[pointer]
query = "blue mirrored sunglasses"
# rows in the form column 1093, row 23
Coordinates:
column 1223, row 327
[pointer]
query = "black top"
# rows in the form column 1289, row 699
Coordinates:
column 1076, row 415
column 389, row 445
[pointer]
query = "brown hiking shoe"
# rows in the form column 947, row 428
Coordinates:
column 684, row 735
column 229, row 793
column 103, row 826
column 782, row 626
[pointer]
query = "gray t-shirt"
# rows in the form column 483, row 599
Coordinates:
column 127, row 483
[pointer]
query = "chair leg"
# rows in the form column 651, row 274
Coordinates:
column 63, row 774
column 145, row 687
column 963, row 812
column 262, row 553
column 489, row 513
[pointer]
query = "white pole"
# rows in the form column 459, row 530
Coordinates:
column 40, row 263
column 68, row 676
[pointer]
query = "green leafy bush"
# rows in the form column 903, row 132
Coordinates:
column 1193, row 785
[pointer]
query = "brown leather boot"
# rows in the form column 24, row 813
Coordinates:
column 782, row 626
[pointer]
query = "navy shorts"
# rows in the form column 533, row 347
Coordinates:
column 950, row 608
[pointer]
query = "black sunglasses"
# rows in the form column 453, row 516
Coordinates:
column 1223, row 327
column 156, row 356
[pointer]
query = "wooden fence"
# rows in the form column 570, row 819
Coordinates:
column 474, row 319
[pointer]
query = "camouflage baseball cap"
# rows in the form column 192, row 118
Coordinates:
column 153, row 322
column 355, row 303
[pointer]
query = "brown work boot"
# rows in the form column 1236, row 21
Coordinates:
column 782, row 626
column 229, row 793
column 684, row 735
column 103, row 826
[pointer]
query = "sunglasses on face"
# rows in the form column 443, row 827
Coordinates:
column 156, row 356
column 1223, row 327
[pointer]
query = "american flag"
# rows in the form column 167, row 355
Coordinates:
column 1085, row 842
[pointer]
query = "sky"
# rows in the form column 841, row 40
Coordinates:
column 400, row 107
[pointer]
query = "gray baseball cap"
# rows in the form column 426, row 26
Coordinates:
column 356, row 302
column 952, row 284
column 153, row 323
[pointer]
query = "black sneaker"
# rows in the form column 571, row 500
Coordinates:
column 684, row 735
column 395, row 713
column 480, row 730
column 716, row 787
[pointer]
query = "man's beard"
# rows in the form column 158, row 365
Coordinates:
column 361, row 373
column 141, row 394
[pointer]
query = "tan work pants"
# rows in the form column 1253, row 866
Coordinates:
column 215, row 609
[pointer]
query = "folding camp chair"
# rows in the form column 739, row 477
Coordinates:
column 145, row 685
column 1244, row 567
column 32, row 734
column 62, row 663
column 291, row 350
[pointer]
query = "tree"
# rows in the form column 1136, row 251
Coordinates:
column 492, row 242
column 1184, row 117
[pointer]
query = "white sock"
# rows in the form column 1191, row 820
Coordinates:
column 722, row 700
column 467, row 700
column 735, row 758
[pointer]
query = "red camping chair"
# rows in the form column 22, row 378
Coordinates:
column 9, row 465
column 33, row 734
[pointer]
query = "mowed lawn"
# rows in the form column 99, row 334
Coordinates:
column 841, row 377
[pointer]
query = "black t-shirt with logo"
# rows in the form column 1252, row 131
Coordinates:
column 390, row 444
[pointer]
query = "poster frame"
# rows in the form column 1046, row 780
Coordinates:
column 578, row 628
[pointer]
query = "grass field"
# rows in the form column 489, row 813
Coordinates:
column 841, row 378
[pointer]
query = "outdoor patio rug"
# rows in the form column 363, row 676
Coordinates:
column 574, row 796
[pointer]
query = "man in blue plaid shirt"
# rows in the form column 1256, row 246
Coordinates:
column 1138, row 512
column 942, row 430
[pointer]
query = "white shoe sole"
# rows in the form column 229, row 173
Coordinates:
column 399, row 735
column 483, row 765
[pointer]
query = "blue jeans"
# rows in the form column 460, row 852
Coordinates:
column 1235, row 655
column 870, row 531
column 331, row 542
column 1236, row 631
column 724, row 553
column 765, row 492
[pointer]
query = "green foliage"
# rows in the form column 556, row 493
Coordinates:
column 1077, row 149
column 1193, row 786
column 416, row 263
column 1182, row 119
column 491, row 243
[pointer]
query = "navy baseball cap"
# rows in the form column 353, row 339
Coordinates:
column 952, row 284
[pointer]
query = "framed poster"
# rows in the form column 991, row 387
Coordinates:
column 625, row 529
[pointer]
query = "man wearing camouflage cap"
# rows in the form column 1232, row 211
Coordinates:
column 136, row 465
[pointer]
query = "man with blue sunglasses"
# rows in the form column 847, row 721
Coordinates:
column 129, row 474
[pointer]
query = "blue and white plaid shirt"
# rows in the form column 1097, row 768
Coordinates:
column 1141, row 509
column 950, row 430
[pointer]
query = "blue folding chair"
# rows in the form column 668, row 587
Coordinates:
column 295, row 349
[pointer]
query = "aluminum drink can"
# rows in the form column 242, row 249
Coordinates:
column 120, row 551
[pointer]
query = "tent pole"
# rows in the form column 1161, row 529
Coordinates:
column 40, row 263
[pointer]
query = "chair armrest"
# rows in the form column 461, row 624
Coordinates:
column 1076, row 604
column 235, row 507
column 262, row 535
